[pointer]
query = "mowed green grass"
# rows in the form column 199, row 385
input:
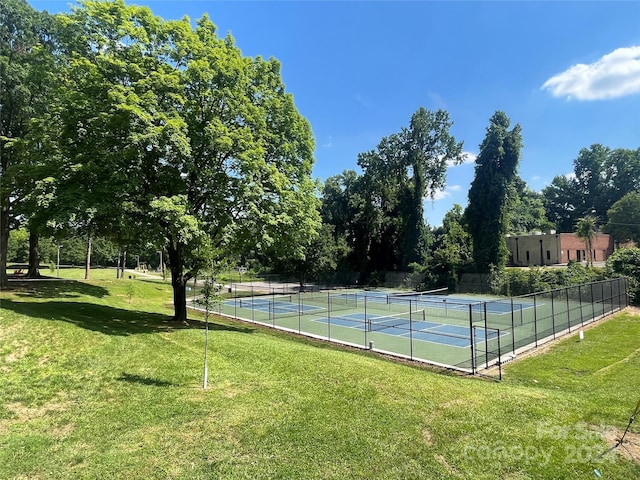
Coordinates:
column 96, row 383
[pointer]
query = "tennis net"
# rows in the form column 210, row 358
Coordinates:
column 402, row 320
column 265, row 301
column 437, row 294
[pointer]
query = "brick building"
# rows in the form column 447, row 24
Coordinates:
column 555, row 248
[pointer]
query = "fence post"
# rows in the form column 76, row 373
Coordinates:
column 535, row 319
column 253, row 317
column 300, row 311
column 499, row 357
column 410, row 334
column 366, row 335
column 513, row 330
column 486, row 337
column 566, row 294
column 328, row 316
column 273, row 303
column 626, row 292
column 471, row 332
column 580, row 303
column 553, row 317
column 593, row 303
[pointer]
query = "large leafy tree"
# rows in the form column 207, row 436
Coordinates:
column 429, row 148
column 601, row 177
column 180, row 137
column 25, row 55
column 452, row 250
column 352, row 217
column 487, row 212
column 381, row 212
column 526, row 210
column 404, row 170
column 589, row 175
column 560, row 198
column 624, row 219
column 626, row 261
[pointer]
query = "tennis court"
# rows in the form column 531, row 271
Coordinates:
column 464, row 332
column 451, row 335
column 442, row 301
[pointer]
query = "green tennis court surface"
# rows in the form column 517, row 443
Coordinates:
column 452, row 335
column 464, row 332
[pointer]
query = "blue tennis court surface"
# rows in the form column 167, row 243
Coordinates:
column 451, row 335
column 400, row 325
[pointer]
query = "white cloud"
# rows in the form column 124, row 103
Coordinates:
column 616, row 74
column 440, row 195
column 468, row 158
column 446, row 193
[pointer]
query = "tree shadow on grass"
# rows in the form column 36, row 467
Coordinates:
column 129, row 378
column 109, row 320
column 56, row 288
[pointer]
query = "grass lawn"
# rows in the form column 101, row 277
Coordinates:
column 95, row 383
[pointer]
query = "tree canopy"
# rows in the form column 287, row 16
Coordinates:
column 601, row 177
column 381, row 212
column 160, row 135
column 487, row 212
column 25, row 57
column 169, row 131
column 624, row 218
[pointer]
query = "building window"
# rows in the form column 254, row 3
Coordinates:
column 527, row 256
column 548, row 254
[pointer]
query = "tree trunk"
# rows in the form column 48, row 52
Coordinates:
column 118, row 266
column 124, row 264
column 87, row 265
column 178, row 282
column 4, row 241
column 34, row 256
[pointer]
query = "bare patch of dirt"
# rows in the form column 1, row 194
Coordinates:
column 426, row 436
column 635, row 311
column 21, row 349
column 7, row 331
column 23, row 413
column 630, row 446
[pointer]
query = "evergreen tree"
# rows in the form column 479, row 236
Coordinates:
column 487, row 212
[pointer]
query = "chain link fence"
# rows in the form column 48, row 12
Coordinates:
column 465, row 333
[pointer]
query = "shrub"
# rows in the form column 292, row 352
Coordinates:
column 626, row 262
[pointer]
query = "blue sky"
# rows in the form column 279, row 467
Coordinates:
column 567, row 72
